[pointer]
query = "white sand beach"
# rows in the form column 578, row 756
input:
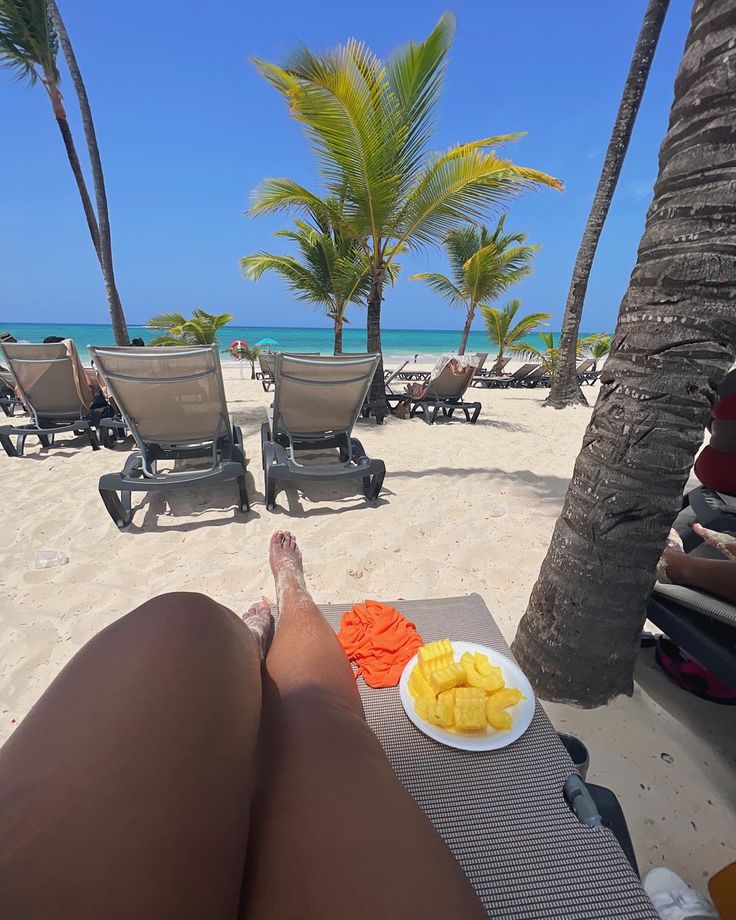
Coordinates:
column 463, row 509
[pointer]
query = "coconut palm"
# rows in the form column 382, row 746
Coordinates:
column 201, row 329
column 331, row 271
column 565, row 390
column 506, row 332
column 29, row 44
column 370, row 125
column 675, row 341
column 598, row 346
column 484, row 265
column 245, row 352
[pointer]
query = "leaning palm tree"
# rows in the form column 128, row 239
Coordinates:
column 506, row 332
column 29, row 44
column 200, row 329
column 484, row 265
column 117, row 316
column 370, row 125
column 331, row 271
column 565, row 389
column 675, row 341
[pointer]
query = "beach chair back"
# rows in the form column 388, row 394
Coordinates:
column 318, row 396
column 265, row 362
column 448, row 385
column 585, row 366
column 524, row 371
column 394, row 374
column 50, row 379
column 538, row 371
column 481, row 358
column 167, row 395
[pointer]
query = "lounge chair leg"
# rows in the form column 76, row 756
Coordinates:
column 431, row 419
column 243, row 493
column 45, row 440
column 474, row 419
column 92, row 438
column 115, row 507
column 20, row 445
column 8, row 446
column 270, row 493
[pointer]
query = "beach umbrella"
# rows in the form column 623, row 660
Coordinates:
column 268, row 343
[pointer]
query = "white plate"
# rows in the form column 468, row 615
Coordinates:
column 491, row 739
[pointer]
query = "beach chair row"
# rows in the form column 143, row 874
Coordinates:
column 172, row 400
column 530, row 375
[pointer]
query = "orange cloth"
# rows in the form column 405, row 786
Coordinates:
column 379, row 640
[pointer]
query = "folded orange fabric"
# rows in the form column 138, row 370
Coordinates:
column 379, row 640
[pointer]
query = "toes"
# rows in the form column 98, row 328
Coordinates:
column 277, row 538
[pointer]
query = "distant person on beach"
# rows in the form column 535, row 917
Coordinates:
column 189, row 764
column 53, row 339
column 138, row 342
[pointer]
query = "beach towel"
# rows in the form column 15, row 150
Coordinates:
column 379, row 640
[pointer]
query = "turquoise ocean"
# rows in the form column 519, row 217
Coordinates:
column 397, row 343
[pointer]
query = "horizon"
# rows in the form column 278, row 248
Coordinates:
column 181, row 156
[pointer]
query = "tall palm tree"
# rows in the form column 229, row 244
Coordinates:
column 484, row 265
column 675, row 341
column 117, row 316
column 565, row 390
column 331, row 271
column 29, row 44
column 201, row 329
column 370, row 124
column 506, row 332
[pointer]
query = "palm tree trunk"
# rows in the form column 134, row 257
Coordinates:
column 338, row 336
column 71, row 151
column 119, row 325
column 565, row 390
column 466, row 329
column 676, row 339
column 377, row 393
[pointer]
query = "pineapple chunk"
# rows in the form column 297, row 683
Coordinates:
column 445, row 708
column 498, row 717
column 422, row 708
column 418, row 686
column 434, row 656
column 446, row 678
column 470, row 709
column 491, row 681
column 509, row 696
column 482, row 664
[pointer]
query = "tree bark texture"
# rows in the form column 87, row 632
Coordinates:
column 466, row 329
column 674, row 343
column 565, row 389
column 117, row 316
column 377, row 393
column 338, row 337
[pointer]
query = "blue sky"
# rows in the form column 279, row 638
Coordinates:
column 187, row 129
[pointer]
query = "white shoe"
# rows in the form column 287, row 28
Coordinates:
column 674, row 900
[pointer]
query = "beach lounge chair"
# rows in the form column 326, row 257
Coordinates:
column 316, row 403
column 505, row 814
column 173, row 401
column 505, row 380
column 54, row 391
column 444, row 394
column 265, row 361
column 412, row 374
column 539, row 376
column 390, row 374
column 483, row 371
column 585, row 371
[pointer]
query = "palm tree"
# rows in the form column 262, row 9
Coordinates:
column 484, row 265
column 331, row 271
column 117, row 316
column 29, row 44
column 565, row 390
column 506, row 332
column 246, row 352
column 549, row 355
column 201, row 329
column 598, row 346
column 675, row 341
column 370, row 124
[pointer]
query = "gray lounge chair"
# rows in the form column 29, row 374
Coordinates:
column 47, row 378
column 504, row 381
column 483, row 371
column 266, row 360
column 173, row 401
column 519, row 820
column 316, row 403
column 585, row 371
column 538, row 376
column 445, row 394
column 390, row 374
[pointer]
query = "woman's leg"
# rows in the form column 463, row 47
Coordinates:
column 335, row 835
column 126, row 790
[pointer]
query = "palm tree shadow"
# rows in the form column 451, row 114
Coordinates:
column 547, row 488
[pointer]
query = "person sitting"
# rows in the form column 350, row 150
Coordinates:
column 457, row 365
column 190, row 764
column 714, row 576
column 715, row 466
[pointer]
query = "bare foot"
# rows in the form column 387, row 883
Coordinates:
column 259, row 621
column 286, row 563
column 724, row 542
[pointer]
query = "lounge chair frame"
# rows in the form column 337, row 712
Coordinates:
column 42, row 426
column 140, row 473
column 429, row 406
column 279, row 445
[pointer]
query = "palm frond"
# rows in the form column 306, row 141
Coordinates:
column 28, row 43
column 443, row 286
